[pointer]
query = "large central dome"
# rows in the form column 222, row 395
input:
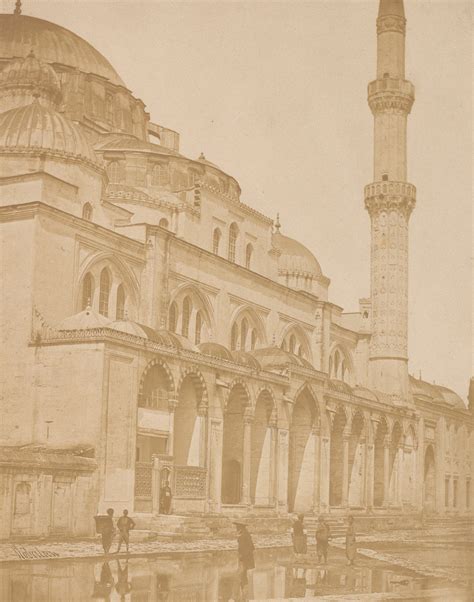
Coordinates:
column 51, row 43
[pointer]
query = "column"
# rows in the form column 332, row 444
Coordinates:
column 272, row 490
column 202, row 417
column 399, row 461
column 247, row 457
column 317, row 467
column 386, row 472
column 420, row 464
column 325, row 455
column 172, row 404
column 345, row 468
column 155, row 486
column 369, row 473
column 282, row 469
column 215, row 465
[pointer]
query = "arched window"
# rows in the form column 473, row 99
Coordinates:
column 248, row 255
column 87, row 290
column 198, row 328
column 120, row 306
column 343, row 370
column 234, row 335
column 160, row 175
column 104, row 292
column 233, row 234
column 336, row 364
column 292, row 344
column 253, row 339
column 330, row 368
column 109, row 108
column 114, row 172
column 216, row 239
column 87, row 212
column 186, row 316
column 244, row 327
column 163, row 223
column 173, row 317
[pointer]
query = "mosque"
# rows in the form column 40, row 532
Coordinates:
column 155, row 328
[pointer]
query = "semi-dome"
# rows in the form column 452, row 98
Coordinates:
column 295, row 258
column 31, row 75
column 35, row 127
column 52, row 44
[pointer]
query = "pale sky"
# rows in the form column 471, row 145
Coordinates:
column 275, row 94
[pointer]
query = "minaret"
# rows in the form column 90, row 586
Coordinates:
column 390, row 200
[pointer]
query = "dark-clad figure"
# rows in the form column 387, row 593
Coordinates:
column 299, row 536
column 123, row 585
column 124, row 524
column 322, row 540
column 108, row 530
column 351, row 546
column 246, row 557
column 165, row 498
column 103, row 588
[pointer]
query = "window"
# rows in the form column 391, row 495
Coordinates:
column 114, row 172
column 244, row 327
column 87, row 212
column 104, row 292
column 343, row 370
column 120, row 307
column 173, row 317
column 163, row 223
column 336, row 364
column 186, row 316
column 160, row 175
column 385, row 177
column 198, row 328
column 109, row 108
column 216, row 239
column 233, row 234
column 234, row 334
column 292, row 344
column 253, row 339
column 87, row 290
column 248, row 255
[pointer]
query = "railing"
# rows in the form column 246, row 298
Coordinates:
column 190, row 482
column 389, row 187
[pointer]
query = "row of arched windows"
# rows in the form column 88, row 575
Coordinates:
column 293, row 345
column 186, row 317
column 338, row 368
column 232, row 245
column 243, row 336
column 105, row 282
column 161, row 175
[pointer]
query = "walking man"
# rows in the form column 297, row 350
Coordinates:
column 246, row 557
column 299, row 536
column 108, row 530
column 124, row 525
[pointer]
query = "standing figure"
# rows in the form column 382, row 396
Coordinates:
column 299, row 536
column 351, row 546
column 246, row 558
column 108, row 530
column 322, row 540
column 124, row 524
column 165, row 498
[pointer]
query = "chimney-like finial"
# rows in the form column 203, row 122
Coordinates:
column 17, row 10
column 277, row 223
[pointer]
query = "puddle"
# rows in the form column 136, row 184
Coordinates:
column 203, row 577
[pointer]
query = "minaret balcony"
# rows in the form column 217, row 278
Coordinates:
column 386, row 195
column 391, row 94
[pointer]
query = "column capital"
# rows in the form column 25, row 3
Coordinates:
column 172, row 403
column 249, row 416
column 202, row 410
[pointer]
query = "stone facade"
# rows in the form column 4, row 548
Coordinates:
column 156, row 328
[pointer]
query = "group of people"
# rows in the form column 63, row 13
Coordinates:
column 323, row 534
column 106, row 527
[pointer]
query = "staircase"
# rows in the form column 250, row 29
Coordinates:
column 337, row 526
column 182, row 527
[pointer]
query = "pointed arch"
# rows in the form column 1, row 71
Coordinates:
column 254, row 321
column 301, row 342
column 199, row 299
column 198, row 381
column 156, row 362
column 242, row 391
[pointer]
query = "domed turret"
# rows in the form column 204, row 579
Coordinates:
column 23, row 79
column 36, row 128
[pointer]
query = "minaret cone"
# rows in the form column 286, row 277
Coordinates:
column 390, row 200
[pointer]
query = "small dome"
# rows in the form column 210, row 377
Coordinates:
column 32, row 75
column 35, row 127
column 275, row 357
column 295, row 258
column 436, row 393
column 216, row 350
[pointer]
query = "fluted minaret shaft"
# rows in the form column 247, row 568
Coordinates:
column 389, row 201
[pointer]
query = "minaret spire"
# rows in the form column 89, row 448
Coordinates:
column 390, row 200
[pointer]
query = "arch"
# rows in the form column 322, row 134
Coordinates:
column 87, row 212
column 253, row 339
column 164, row 223
column 105, row 282
column 216, row 240
column 233, row 238
column 200, row 301
column 429, row 480
column 161, row 364
column 120, row 303
column 87, row 290
column 173, row 317
column 261, row 466
column 248, row 255
column 155, row 388
column 186, row 316
column 341, row 366
column 197, row 378
column 301, row 341
column 254, row 322
column 243, row 392
column 301, row 453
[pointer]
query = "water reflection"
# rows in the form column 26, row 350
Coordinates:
column 197, row 577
